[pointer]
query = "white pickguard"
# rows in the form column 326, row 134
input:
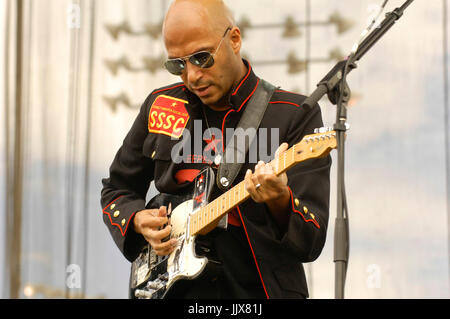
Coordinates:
column 182, row 262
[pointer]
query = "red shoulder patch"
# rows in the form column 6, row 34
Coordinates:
column 168, row 116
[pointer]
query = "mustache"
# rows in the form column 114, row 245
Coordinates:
column 199, row 85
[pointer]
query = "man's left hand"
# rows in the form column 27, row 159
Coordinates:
column 264, row 186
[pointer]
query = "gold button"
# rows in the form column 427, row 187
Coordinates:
column 112, row 206
column 123, row 221
column 312, row 215
column 297, row 202
column 153, row 154
column 116, row 213
column 305, row 209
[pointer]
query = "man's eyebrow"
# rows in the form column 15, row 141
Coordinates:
column 209, row 49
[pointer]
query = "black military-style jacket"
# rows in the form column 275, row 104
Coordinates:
column 146, row 156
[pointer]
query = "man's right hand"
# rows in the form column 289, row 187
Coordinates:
column 149, row 223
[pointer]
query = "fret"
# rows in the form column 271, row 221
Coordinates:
column 209, row 213
column 198, row 221
column 293, row 153
column 193, row 223
column 234, row 194
column 222, row 205
column 274, row 164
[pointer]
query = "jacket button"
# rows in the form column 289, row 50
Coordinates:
column 123, row 222
column 305, row 209
column 297, row 202
column 153, row 154
column 116, row 213
column 112, row 206
column 312, row 215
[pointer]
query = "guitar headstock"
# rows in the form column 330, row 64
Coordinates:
column 316, row 145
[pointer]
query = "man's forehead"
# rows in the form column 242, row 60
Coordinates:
column 184, row 39
column 188, row 47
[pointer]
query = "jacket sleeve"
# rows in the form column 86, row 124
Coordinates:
column 309, row 185
column 124, row 191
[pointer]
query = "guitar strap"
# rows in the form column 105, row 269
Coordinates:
column 233, row 158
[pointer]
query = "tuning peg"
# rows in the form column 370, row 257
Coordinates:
column 324, row 129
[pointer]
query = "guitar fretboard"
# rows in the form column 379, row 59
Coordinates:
column 215, row 210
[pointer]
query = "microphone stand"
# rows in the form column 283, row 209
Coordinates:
column 334, row 84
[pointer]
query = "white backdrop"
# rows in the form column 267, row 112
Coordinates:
column 74, row 120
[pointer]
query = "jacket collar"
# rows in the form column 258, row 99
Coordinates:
column 244, row 90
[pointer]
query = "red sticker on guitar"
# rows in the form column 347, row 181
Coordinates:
column 168, row 116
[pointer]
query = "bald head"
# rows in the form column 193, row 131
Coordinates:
column 212, row 16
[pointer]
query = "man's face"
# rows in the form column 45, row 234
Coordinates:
column 213, row 84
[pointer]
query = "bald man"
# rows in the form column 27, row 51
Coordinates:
column 261, row 250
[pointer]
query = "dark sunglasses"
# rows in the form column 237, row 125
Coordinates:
column 202, row 59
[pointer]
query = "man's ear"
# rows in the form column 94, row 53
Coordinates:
column 236, row 39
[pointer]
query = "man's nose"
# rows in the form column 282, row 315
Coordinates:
column 193, row 73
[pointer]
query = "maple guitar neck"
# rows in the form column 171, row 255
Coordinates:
column 312, row 146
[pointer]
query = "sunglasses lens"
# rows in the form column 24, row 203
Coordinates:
column 175, row 66
column 202, row 59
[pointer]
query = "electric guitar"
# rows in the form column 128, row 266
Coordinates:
column 155, row 277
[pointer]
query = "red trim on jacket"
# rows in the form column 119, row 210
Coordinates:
column 162, row 90
column 223, row 127
column 123, row 232
column 300, row 213
column 257, row 83
column 253, row 253
column 284, row 102
column 243, row 80
column 226, row 115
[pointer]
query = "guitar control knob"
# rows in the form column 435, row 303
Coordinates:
column 143, row 294
column 155, row 285
column 224, row 181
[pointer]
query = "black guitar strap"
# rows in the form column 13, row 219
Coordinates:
column 233, row 158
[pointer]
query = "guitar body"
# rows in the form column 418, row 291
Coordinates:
column 155, row 277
